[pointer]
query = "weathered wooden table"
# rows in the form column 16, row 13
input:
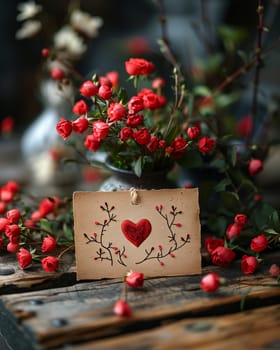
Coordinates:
column 53, row 311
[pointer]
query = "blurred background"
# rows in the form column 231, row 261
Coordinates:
column 195, row 29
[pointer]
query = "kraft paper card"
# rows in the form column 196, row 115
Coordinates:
column 156, row 232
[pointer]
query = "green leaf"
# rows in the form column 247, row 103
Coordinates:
column 202, row 91
column 222, row 185
column 271, row 231
column 275, row 220
column 45, row 225
column 68, row 232
column 230, row 200
column 138, row 165
column 217, row 224
column 232, row 153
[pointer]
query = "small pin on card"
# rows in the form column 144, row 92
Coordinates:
column 156, row 232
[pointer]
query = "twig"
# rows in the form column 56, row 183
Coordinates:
column 254, row 107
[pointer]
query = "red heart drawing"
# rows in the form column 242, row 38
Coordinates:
column 136, row 233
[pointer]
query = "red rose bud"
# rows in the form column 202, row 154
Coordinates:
column 255, row 166
column 13, row 216
column 88, row 89
column 24, row 258
column 50, row 263
column 49, row 244
column 57, row 73
column 64, row 128
column 80, row 125
column 158, row 83
column 233, row 230
column 135, row 104
column 222, row 256
column 80, row 107
column 212, row 243
column 121, row 308
column 210, row 282
column 134, row 279
column 206, row 145
column 193, row 132
column 139, row 66
column 12, row 247
column 259, row 243
column 113, row 76
column 274, row 270
column 116, row 111
column 105, row 91
column 241, row 219
column 249, row 264
column 45, row 52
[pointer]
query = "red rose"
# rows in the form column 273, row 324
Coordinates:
column 210, row 282
column 152, row 146
column 139, row 66
column 121, row 308
column 249, row 264
column 57, row 73
column 113, row 77
column 212, row 243
column 12, row 230
column 80, row 125
column 45, row 52
column 6, row 195
column 151, row 101
column 177, row 148
column 116, row 111
column 49, row 244
column 135, row 279
column 126, row 133
column 92, row 143
column 100, row 129
column 12, row 247
column 105, row 91
column 80, row 107
column 206, row 145
column 24, row 258
column 105, row 81
column 3, row 223
column 162, row 144
column 49, row 263
column 274, row 270
column 47, row 205
column 11, row 186
column 135, row 104
column 135, row 120
column 13, row 216
column 233, row 230
column 88, row 89
column 193, row 132
column 64, row 128
column 222, row 256
column 259, row 243
column 142, row 136
column 255, row 166
column 241, row 219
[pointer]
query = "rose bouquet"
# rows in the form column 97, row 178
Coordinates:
column 139, row 132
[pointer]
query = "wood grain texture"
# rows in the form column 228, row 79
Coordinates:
column 83, row 312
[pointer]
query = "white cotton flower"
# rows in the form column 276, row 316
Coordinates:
column 69, row 42
column 85, row 23
column 28, row 29
column 28, row 10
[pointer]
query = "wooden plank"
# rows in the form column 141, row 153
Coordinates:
column 13, row 279
column 209, row 333
column 83, row 312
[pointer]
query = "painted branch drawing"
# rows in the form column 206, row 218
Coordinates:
column 106, row 250
column 175, row 244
